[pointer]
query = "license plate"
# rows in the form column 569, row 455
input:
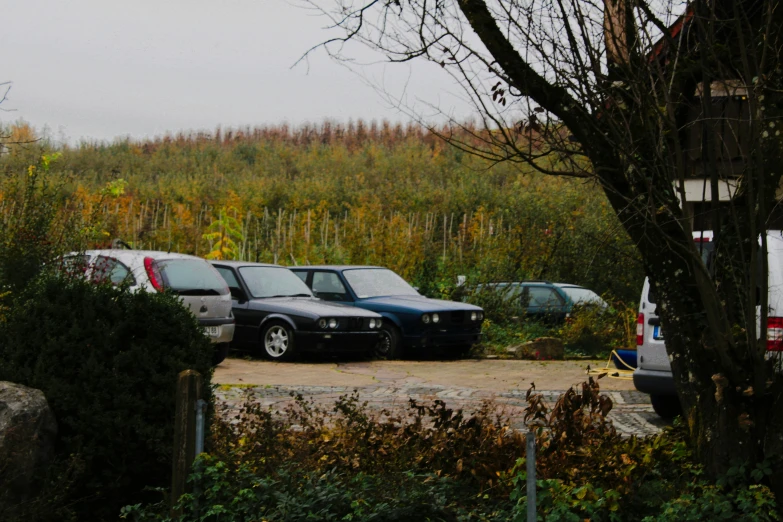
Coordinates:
column 657, row 333
column 212, row 331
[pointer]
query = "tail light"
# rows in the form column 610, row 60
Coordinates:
column 775, row 334
column 640, row 330
column 153, row 272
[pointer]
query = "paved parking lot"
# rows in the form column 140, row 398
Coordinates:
column 461, row 384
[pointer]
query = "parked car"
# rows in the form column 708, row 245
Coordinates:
column 276, row 310
column 542, row 300
column 199, row 286
column 581, row 296
column 410, row 320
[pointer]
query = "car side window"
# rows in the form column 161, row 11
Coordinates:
column 108, row 268
column 232, row 282
column 302, row 276
column 543, row 297
column 75, row 265
column 329, row 287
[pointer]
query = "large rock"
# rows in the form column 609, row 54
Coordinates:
column 27, row 436
column 541, row 349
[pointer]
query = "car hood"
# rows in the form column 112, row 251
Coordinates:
column 309, row 306
column 418, row 303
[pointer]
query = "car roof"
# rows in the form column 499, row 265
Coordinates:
column 517, row 283
column 125, row 253
column 237, row 264
column 334, row 267
column 570, row 285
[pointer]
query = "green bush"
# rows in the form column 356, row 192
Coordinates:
column 434, row 463
column 593, row 331
column 107, row 360
column 294, row 494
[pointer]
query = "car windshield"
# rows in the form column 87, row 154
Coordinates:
column 273, row 281
column 191, row 277
column 582, row 295
column 507, row 290
column 376, row 282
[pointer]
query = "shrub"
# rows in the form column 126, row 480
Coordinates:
column 591, row 330
column 434, row 463
column 36, row 227
column 107, row 360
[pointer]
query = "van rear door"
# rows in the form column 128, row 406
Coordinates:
column 652, row 351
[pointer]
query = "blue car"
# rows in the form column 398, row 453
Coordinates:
column 410, row 320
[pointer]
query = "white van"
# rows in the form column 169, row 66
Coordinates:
column 653, row 373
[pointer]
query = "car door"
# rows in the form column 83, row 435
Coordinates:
column 542, row 300
column 246, row 329
column 328, row 286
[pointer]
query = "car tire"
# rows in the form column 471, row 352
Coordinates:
column 389, row 345
column 221, row 352
column 666, row 406
column 277, row 341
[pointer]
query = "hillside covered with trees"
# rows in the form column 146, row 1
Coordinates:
column 363, row 193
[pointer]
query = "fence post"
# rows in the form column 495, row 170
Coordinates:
column 530, row 458
column 188, row 395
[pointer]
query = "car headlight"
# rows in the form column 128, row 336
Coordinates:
column 481, row 316
column 372, row 323
column 323, row 323
column 474, row 316
column 435, row 318
column 378, row 323
column 425, row 318
column 332, row 323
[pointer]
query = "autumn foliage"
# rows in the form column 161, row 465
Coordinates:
column 364, row 193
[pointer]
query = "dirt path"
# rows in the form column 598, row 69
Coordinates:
column 484, row 374
column 463, row 384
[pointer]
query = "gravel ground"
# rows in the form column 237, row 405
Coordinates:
column 463, row 384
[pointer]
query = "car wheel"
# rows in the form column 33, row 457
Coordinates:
column 389, row 345
column 277, row 342
column 666, row 406
column 221, row 352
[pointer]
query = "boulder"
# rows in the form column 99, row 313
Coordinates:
column 541, row 349
column 27, row 436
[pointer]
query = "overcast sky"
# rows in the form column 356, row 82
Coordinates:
column 99, row 69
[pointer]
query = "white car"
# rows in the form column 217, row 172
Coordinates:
column 198, row 284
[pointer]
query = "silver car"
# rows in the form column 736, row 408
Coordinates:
column 198, row 284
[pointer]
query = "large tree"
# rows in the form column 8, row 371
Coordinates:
column 624, row 92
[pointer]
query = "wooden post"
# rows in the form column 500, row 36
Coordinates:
column 188, row 393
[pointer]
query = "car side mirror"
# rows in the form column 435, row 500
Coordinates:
column 237, row 294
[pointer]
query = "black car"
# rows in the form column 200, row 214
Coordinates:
column 276, row 310
column 410, row 319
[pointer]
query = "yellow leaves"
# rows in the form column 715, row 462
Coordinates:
column 225, row 235
column 115, row 188
column 21, row 132
column 47, row 159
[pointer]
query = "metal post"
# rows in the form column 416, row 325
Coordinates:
column 201, row 405
column 530, row 457
column 188, row 395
